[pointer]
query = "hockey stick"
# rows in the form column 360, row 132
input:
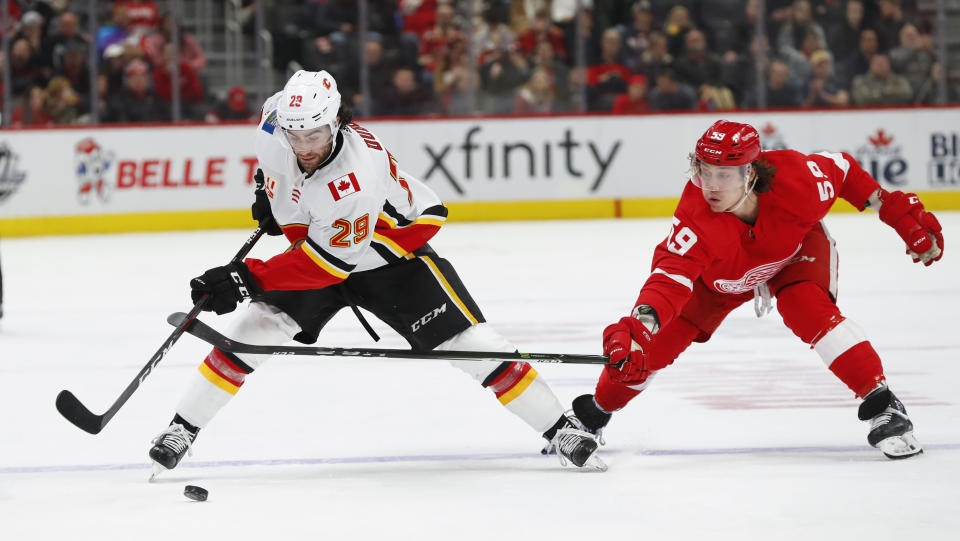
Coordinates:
column 204, row 332
column 70, row 407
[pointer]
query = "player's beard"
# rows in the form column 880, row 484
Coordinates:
column 310, row 161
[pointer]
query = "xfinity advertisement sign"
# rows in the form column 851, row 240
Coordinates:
column 508, row 159
column 478, row 158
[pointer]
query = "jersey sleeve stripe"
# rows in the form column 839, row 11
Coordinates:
column 426, row 220
column 439, row 211
column 384, row 252
column 326, row 261
column 386, row 221
column 838, row 159
column 392, row 212
column 449, row 290
column 390, row 244
column 679, row 278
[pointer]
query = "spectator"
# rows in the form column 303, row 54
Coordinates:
column 67, row 32
column 778, row 13
column 677, row 25
column 716, row 98
column 25, row 68
column 40, row 7
column 843, row 35
column 294, row 22
column 454, row 80
column 522, row 14
column 661, row 9
column 117, row 31
column 535, row 97
column 500, row 77
column 859, row 62
column 435, row 42
column 721, row 20
column 889, row 24
column 137, row 102
column 191, row 89
column 320, row 54
column 418, row 15
column 141, row 14
column 928, row 92
column 880, row 86
column 670, row 94
column 793, row 31
column 636, row 35
column 823, row 89
column 741, row 75
column 799, row 60
column 656, row 58
column 189, row 50
column 545, row 57
column 114, row 61
column 589, row 35
column 60, row 101
column 74, row 68
column 608, row 78
column 542, row 30
column 493, row 34
column 31, row 111
column 744, row 28
column 235, row 108
column 912, row 58
column 780, row 93
column 31, row 29
column 379, row 74
column 405, row 97
column 634, row 99
column 696, row 66
column 563, row 12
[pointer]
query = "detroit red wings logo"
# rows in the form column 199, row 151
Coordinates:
column 754, row 277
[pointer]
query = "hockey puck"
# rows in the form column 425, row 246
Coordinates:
column 195, row 493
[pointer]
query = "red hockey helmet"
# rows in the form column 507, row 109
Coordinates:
column 728, row 144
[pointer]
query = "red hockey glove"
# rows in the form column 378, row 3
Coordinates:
column 918, row 228
column 627, row 343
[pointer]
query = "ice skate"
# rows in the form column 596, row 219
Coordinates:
column 170, row 446
column 573, row 444
column 593, row 418
column 890, row 428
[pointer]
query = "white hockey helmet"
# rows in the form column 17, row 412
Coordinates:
column 309, row 100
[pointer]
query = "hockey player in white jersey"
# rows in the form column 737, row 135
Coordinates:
column 359, row 227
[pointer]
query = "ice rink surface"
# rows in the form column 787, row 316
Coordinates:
column 746, row 437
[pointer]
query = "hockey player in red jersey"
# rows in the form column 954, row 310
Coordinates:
column 748, row 226
column 359, row 227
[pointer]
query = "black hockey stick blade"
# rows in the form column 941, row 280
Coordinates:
column 74, row 411
column 70, row 407
column 204, row 332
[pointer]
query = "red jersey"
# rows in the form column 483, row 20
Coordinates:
column 734, row 257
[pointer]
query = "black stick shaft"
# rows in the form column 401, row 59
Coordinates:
column 204, row 332
column 74, row 411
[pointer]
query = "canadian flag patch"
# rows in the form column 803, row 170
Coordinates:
column 343, row 186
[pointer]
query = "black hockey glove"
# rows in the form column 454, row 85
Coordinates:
column 226, row 286
column 261, row 208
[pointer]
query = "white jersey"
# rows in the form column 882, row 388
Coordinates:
column 356, row 212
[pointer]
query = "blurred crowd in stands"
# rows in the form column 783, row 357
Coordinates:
column 440, row 57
